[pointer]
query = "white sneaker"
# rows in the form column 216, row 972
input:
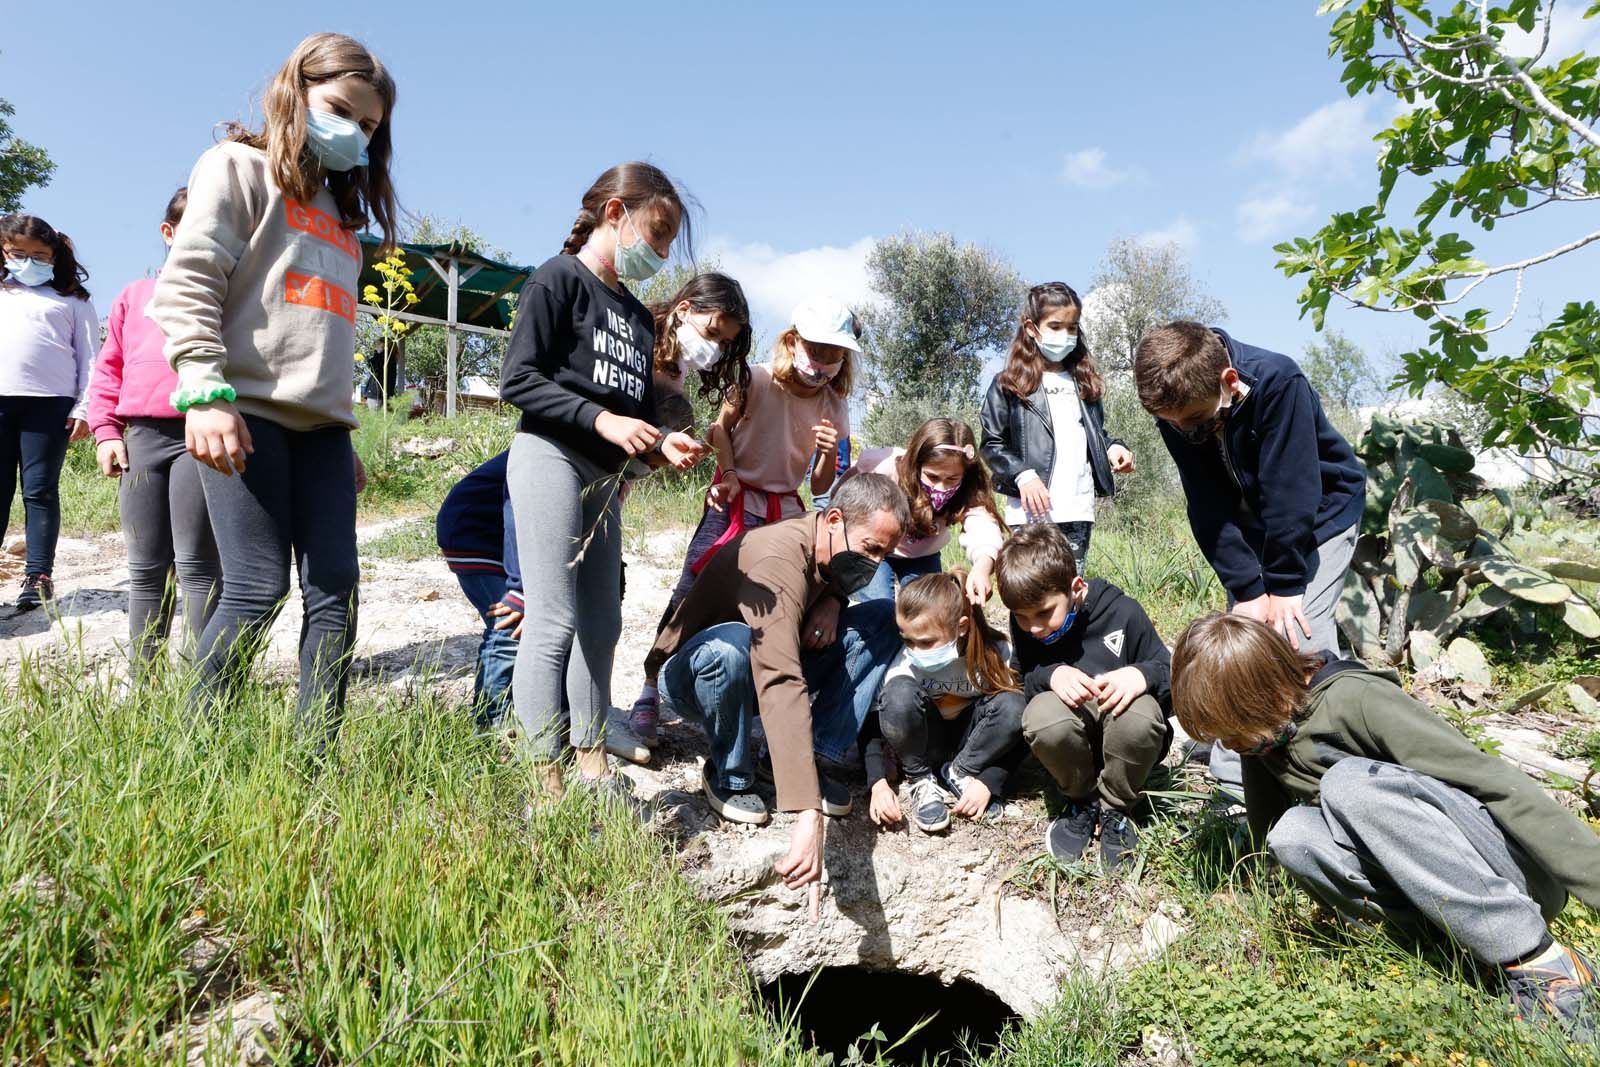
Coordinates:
column 930, row 804
column 622, row 742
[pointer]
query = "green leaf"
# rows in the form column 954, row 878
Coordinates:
column 1328, row 7
column 1524, row 582
column 1449, row 459
column 1581, row 617
column 1582, row 701
column 1572, row 570
column 1532, row 696
column 1424, row 647
column 1468, row 661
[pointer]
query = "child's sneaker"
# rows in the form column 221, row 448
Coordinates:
column 1070, row 834
column 1561, row 985
column 956, row 781
column 930, row 804
column 37, row 589
column 1118, row 838
column 622, row 742
column 645, row 718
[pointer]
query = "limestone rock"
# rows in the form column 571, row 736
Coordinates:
column 242, row 1032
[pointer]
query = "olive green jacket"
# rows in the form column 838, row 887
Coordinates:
column 1353, row 711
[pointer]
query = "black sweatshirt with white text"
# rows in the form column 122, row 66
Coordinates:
column 577, row 348
column 1111, row 631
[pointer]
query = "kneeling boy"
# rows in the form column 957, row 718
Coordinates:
column 1094, row 672
column 1385, row 812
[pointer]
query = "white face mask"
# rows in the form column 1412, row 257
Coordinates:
column 932, row 659
column 1057, row 345
column 694, row 350
column 811, row 373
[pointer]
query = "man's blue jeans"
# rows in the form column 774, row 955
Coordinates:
column 497, row 650
column 709, row 681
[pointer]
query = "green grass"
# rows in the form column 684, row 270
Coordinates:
column 412, row 540
column 403, row 870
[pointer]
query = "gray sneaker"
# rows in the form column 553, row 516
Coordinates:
column 930, row 804
column 746, row 807
column 622, row 742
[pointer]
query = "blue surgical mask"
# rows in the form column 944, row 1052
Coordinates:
column 30, row 272
column 933, row 659
column 337, row 142
column 1061, row 631
column 1057, row 345
column 637, row 262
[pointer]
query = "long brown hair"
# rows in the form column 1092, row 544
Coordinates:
column 1025, row 364
column 943, row 596
column 639, row 186
column 360, row 192
column 69, row 274
column 1234, row 678
column 783, row 362
column 944, row 435
column 709, row 292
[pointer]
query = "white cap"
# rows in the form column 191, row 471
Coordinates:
column 826, row 321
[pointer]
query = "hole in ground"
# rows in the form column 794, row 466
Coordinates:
column 846, row 1002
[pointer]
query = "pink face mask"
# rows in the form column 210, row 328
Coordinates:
column 938, row 498
column 813, row 374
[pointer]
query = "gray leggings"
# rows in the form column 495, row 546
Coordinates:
column 166, row 528
column 569, row 638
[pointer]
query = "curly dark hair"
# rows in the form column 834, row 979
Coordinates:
column 706, row 293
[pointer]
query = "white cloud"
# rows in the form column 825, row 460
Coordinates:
column 1180, row 232
column 1087, row 169
column 774, row 282
column 1570, row 32
column 1270, row 215
column 1326, row 142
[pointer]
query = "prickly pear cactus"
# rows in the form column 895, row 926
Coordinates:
column 1423, row 568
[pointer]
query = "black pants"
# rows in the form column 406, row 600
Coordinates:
column 295, row 502
column 33, row 441
column 978, row 741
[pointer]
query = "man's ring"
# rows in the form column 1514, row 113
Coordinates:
column 816, row 633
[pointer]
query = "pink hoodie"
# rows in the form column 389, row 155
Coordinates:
column 131, row 378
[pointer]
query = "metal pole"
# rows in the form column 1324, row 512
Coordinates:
column 450, row 340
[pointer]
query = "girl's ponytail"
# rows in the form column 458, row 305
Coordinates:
column 582, row 227
column 944, row 595
column 69, row 274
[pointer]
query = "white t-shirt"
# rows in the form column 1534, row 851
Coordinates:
column 1070, row 479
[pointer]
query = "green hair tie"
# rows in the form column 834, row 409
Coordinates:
column 186, row 398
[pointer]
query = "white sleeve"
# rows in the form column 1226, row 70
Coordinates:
column 85, row 346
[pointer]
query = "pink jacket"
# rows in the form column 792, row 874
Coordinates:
column 131, row 377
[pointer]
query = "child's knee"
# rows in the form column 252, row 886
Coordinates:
column 1007, row 711
column 1047, row 716
column 1346, row 780
column 1294, row 837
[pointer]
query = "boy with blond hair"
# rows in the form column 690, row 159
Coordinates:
column 1383, row 811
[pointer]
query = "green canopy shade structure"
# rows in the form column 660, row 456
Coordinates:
column 456, row 288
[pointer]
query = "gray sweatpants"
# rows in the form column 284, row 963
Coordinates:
column 1329, row 565
column 569, row 637
column 1389, row 843
column 166, row 527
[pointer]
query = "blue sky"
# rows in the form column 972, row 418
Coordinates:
column 1042, row 130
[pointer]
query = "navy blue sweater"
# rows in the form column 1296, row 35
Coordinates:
column 1276, row 483
column 474, row 527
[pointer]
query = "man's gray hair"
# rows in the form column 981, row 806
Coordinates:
column 862, row 496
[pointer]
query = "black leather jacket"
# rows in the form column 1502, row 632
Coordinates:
column 1017, row 436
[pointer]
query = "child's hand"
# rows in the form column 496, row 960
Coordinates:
column 216, row 435
column 633, row 436
column 1073, row 686
column 77, row 430
column 112, row 456
column 1119, row 688
column 1121, row 459
column 681, row 450
column 883, row 805
column 974, row 800
column 722, row 491
column 978, row 588
column 826, row 437
column 509, row 617
column 361, row 475
column 1035, row 498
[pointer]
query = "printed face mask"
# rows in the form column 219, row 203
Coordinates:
column 337, row 142
column 696, row 351
column 637, row 262
column 1205, row 430
column 1061, row 631
column 849, row 570
column 30, row 272
column 811, row 373
column 938, row 498
column 1057, row 345
column 932, row 659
